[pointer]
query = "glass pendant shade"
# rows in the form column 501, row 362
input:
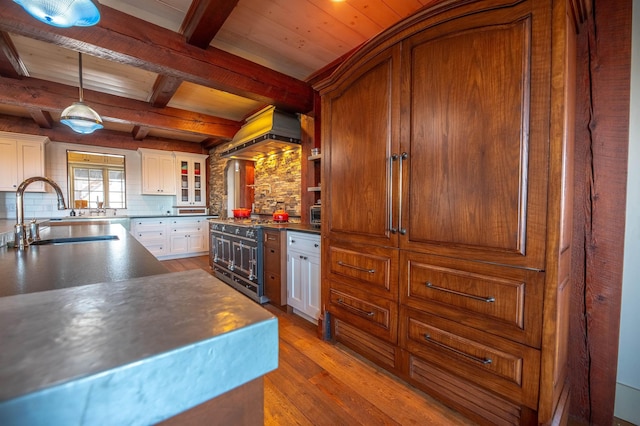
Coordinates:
column 81, row 118
column 62, row 13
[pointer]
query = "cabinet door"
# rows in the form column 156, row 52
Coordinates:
column 311, row 268
column 31, row 163
column 158, row 173
column 8, row 165
column 191, row 181
column 197, row 242
column 476, row 135
column 360, row 131
column 295, row 286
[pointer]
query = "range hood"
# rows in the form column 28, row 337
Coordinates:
column 266, row 132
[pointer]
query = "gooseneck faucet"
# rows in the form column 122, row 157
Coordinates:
column 20, row 241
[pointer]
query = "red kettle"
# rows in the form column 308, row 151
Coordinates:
column 280, row 215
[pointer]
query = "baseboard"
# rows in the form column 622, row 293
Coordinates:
column 627, row 406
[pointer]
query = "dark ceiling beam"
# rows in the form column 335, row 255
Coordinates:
column 128, row 40
column 10, row 63
column 102, row 138
column 33, row 93
column 163, row 90
column 201, row 24
column 11, row 66
column 211, row 143
column 204, row 19
column 139, row 132
column 42, row 118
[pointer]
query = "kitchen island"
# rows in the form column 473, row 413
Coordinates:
column 133, row 349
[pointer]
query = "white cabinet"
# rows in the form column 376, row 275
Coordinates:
column 172, row 237
column 303, row 274
column 152, row 233
column 21, row 157
column 188, row 236
column 192, row 179
column 158, row 172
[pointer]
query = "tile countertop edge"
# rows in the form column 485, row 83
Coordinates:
column 154, row 387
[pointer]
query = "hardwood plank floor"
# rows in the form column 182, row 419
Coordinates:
column 320, row 383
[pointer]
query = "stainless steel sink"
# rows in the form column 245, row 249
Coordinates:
column 71, row 240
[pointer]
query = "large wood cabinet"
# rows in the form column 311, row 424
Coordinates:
column 446, row 228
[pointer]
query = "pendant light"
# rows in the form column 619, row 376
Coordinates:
column 80, row 117
column 62, row 13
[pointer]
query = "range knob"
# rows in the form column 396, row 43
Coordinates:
column 249, row 233
column 222, row 228
column 237, row 231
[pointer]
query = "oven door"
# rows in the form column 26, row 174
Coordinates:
column 244, row 260
column 221, row 246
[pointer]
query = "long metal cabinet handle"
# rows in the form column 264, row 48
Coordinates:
column 403, row 157
column 489, row 299
column 392, row 159
column 357, row 268
column 356, row 310
column 483, row 361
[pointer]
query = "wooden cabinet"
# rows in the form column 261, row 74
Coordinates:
column 275, row 288
column 303, row 274
column 192, row 180
column 447, row 153
column 21, row 157
column 158, row 172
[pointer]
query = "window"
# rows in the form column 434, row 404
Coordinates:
column 96, row 181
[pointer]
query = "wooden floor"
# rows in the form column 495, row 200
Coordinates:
column 320, row 383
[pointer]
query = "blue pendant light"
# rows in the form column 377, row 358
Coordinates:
column 62, row 13
column 80, row 117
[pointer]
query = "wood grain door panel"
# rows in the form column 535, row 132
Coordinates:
column 476, row 140
column 504, row 301
column 370, row 268
column 505, row 367
column 375, row 315
column 360, row 132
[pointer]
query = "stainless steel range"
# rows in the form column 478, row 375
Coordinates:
column 235, row 255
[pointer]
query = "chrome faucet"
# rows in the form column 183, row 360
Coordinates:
column 20, row 241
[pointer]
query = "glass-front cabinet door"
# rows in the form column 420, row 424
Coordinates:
column 192, row 180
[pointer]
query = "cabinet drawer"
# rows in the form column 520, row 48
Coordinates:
column 150, row 235
column 151, row 224
column 374, row 269
column 375, row 315
column 272, row 239
column 181, row 226
column 272, row 260
column 274, row 289
column 307, row 243
column 496, row 299
column 502, row 366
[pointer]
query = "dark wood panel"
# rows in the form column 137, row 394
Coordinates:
column 477, row 138
column 358, row 121
column 503, row 301
column 602, row 139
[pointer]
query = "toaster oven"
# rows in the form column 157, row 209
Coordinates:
column 314, row 216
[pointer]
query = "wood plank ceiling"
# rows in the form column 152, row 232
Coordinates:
column 180, row 69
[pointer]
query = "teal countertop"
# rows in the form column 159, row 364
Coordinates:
column 131, row 352
column 49, row 267
column 101, row 333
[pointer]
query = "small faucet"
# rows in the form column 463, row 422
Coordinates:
column 20, row 240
